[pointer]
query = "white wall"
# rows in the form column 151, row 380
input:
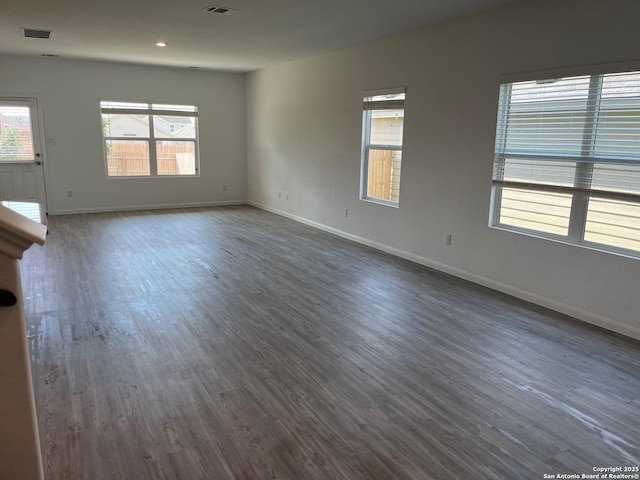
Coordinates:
column 304, row 122
column 70, row 92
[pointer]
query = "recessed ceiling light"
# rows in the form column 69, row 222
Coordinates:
column 161, row 44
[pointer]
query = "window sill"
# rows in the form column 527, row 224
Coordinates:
column 386, row 203
column 137, row 177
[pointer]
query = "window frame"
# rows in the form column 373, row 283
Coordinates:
column 581, row 191
column 366, row 146
column 34, row 132
column 151, row 111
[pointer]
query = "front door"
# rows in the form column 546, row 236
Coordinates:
column 21, row 158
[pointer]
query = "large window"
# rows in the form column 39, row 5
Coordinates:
column 567, row 160
column 149, row 140
column 382, row 128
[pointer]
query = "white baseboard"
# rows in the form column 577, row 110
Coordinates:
column 128, row 208
column 588, row 317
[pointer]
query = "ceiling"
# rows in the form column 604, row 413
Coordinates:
column 262, row 33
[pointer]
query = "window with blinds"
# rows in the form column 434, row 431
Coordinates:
column 150, row 140
column 16, row 132
column 382, row 132
column 567, row 160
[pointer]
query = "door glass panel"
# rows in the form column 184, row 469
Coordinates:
column 16, row 136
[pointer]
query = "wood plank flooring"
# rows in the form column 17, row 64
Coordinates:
column 230, row 343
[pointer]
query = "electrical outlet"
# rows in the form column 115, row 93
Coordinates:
column 69, row 194
column 447, row 240
column 287, row 196
column 279, row 194
column 224, row 188
column 346, row 212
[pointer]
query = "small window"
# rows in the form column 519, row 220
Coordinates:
column 16, row 133
column 150, row 140
column 382, row 131
column 567, row 160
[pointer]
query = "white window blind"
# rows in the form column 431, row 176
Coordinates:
column 16, row 134
column 143, row 139
column 567, row 158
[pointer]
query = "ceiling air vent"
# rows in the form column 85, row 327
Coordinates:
column 220, row 10
column 33, row 33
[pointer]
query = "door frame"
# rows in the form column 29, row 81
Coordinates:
column 41, row 138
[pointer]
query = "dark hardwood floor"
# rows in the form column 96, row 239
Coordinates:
column 231, row 343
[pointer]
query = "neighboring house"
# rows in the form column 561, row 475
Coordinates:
column 135, row 126
column 185, row 131
column 19, row 122
column 178, row 126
